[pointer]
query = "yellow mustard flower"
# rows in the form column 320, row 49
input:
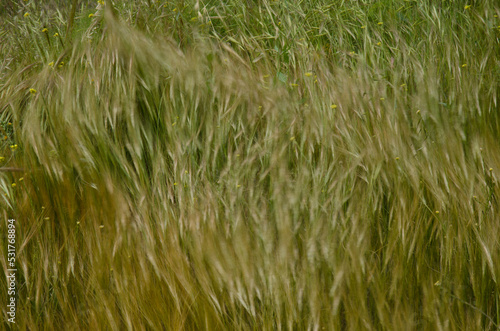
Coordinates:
column 467, row 7
column 14, row 184
column 91, row 15
column 45, row 30
column 464, row 65
column 380, row 23
column 56, row 34
column 51, row 64
column 32, row 91
column 333, row 106
column 26, row 14
column 308, row 74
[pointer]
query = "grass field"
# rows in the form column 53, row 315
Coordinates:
column 251, row 165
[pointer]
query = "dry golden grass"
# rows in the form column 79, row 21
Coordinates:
column 252, row 166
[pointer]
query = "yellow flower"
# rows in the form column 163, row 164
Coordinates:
column 437, row 211
column 294, row 85
column 464, row 65
column 293, row 138
column 418, row 111
column 363, row 27
column 56, row 34
column 380, row 23
column 14, row 184
column 91, row 15
column 21, row 179
column 45, row 30
column 2, row 158
column 26, row 14
column 382, row 99
column 308, row 74
column 467, row 7
column 333, row 106
column 379, row 43
column 101, row 226
column 397, row 158
column 32, row 91
column 175, row 184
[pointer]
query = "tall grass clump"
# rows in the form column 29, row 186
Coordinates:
column 251, row 165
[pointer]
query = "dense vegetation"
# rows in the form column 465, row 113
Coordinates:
column 252, row 165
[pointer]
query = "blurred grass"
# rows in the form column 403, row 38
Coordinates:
column 252, row 164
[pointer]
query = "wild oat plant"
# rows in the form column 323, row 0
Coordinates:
column 251, row 165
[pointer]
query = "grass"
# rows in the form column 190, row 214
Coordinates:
column 252, row 165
